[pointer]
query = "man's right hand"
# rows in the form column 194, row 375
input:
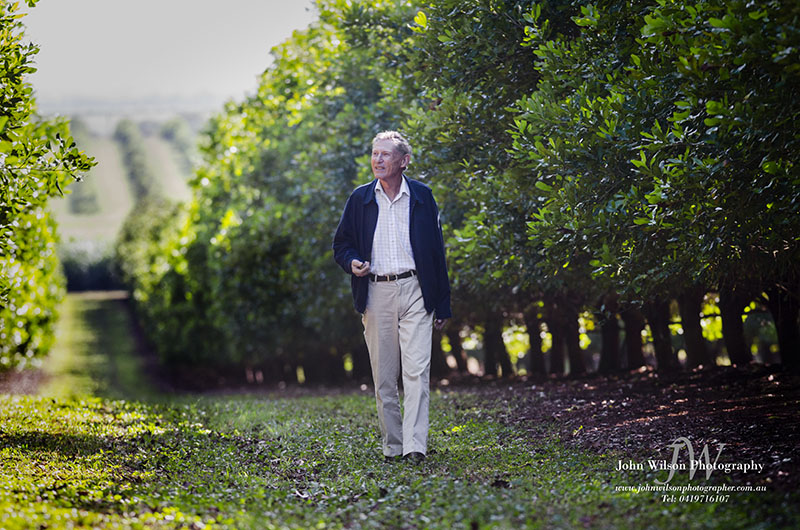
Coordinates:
column 359, row 268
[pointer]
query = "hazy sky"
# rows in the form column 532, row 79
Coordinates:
column 131, row 49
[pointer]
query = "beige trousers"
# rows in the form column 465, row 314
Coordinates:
column 398, row 333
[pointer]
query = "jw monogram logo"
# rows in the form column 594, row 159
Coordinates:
column 702, row 462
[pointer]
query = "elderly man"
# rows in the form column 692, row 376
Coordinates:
column 390, row 241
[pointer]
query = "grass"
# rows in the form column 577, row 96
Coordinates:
column 94, row 354
column 272, row 461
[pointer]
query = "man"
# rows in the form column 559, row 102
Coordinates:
column 390, row 241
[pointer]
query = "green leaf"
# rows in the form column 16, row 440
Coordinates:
column 642, row 162
column 421, row 20
column 715, row 107
column 641, row 221
column 543, row 186
column 654, row 198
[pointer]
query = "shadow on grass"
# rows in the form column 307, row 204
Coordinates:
column 68, row 445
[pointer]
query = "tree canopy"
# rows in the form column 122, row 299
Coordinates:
column 605, row 160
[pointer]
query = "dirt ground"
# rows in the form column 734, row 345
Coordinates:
column 24, row 382
column 754, row 411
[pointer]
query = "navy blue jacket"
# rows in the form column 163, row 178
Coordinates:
column 353, row 240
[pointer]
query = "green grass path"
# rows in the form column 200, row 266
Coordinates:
column 95, row 354
column 101, row 449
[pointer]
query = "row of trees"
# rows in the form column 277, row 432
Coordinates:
column 143, row 181
column 623, row 158
column 38, row 159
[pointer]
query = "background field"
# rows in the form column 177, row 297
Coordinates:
column 109, row 181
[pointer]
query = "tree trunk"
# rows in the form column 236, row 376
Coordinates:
column 634, row 324
column 328, row 367
column 289, row 369
column 609, row 348
column 557, row 348
column 322, row 367
column 690, row 305
column 456, row 350
column 609, row 334
column 657, row 314
column 439, row 366
column 309, row 367
column 495, row 348
column 573, row 343
column 535, row 356
column 731, row 307
column 784, row 305
column 275, row 369
column 489, row 360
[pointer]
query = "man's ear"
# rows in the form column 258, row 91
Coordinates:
column 405, row 162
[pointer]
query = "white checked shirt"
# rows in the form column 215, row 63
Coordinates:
column 391, row 244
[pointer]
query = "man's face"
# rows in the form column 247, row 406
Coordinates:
column 387, row 161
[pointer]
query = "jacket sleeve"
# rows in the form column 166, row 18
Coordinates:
column 344, row 241
column 442, row 308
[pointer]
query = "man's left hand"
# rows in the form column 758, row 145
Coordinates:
column 439, row 323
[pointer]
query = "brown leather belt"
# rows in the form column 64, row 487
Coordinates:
column 392, row 277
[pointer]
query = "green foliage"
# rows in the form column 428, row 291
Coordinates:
column 730, row 152
column 38, row 158
column 36, row 286
column 576, row 134
column 652, row 151
column 149, row 273
column 468, row 69
column 465, row 52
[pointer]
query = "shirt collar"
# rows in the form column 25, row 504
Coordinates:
column 403, row 188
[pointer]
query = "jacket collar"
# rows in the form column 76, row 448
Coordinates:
column 370, row 195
